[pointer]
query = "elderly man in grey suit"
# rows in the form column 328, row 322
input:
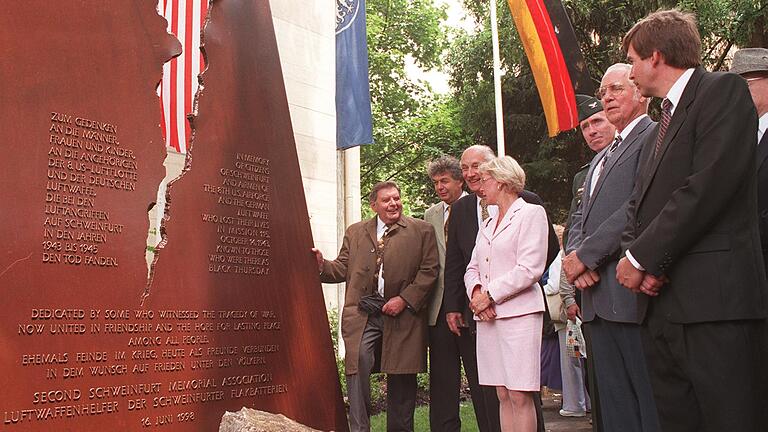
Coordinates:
column 445, row 348
column 609, row 310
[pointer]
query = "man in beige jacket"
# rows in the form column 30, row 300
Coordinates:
column 394, row 257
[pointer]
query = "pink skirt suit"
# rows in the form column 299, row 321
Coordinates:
column 508, row 260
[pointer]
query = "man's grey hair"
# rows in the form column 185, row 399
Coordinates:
column 379, row 186
column 486, row 151
column 445, row 165
column 627, row 68
column 619, row 66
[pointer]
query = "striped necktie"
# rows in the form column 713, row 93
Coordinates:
column 608, row 154
column 666, row 116
column 380, row 258
column 445, row 223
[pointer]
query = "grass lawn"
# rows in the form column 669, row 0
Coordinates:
column 421, row 419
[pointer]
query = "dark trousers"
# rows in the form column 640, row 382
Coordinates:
column 627, row 399
column 447, row 353
column 401, row 388
column 594, row 396
column 708, row 376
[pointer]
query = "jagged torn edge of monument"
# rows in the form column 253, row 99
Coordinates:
column 187, row 160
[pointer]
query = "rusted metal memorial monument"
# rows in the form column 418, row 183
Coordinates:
column 231, row 313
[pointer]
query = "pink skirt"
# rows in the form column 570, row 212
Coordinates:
column 508, row 352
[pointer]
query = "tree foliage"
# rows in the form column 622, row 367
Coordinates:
column 599, row 25
column 403, row 149
column 411, row 126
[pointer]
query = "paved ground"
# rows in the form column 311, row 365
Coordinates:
column 556, row 423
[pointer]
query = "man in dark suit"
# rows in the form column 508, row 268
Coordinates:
column 444, row 347
column 692, row 241
column 609, row 310
column 752, row 64
column 466, row 215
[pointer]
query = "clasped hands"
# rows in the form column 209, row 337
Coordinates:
column 638, row 281
column 627, row 275
column 577, row 273
column 481, row 305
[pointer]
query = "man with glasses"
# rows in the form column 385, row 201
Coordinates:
column 609, row 311
column 752, row 64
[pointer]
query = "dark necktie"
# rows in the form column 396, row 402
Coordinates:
column 666, row 116
column 445, row 223
column 603, row 162
column 614, row 146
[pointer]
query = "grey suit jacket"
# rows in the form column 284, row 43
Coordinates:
column 598, row 224
column 434, row 215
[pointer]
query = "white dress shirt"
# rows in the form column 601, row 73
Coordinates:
column 446, row 206
column 762, row 125
column 674, row 95
column 380, row 229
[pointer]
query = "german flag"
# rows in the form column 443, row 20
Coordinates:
column 555, row 58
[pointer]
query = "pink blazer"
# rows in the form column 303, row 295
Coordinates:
column 509, row 260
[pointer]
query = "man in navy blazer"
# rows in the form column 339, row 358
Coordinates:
column 692, row 240
column 462, row 233
column 609, row 311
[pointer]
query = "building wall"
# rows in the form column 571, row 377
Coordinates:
column 305, row 31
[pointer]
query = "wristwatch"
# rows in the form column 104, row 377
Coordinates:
column 488, row 293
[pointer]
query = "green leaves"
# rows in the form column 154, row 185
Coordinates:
column 412, row 126
column 403, row 149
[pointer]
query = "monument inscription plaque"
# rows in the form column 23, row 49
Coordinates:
column 232, row 313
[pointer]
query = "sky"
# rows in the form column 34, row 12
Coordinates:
column 438, row 80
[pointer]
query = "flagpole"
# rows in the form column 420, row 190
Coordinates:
column 497, row 82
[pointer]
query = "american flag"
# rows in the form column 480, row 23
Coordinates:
column 179, row 85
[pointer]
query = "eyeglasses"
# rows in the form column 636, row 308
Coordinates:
column 483, row 180
column 614, row 89
column 749, row 80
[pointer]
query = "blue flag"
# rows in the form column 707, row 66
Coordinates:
column 353, row 97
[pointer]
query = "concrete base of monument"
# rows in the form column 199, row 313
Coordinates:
column 250, row 420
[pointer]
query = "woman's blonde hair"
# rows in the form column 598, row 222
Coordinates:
column 506, row 171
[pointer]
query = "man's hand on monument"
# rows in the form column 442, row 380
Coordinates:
column 628, row 275
column 319, row 258
column 573, row 311
column 455, row 322
column 652, row 284
column 587, row 279
column 394, row 306
column 573, row 267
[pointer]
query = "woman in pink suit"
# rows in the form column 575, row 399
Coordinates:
column 501, row 280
